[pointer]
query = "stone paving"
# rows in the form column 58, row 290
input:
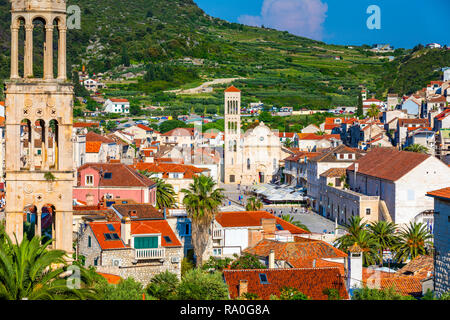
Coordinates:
column 315, row 222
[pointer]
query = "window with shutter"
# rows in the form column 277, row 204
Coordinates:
column 145, row 242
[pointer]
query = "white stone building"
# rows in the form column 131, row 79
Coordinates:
column 117, row 106
column 399, row 178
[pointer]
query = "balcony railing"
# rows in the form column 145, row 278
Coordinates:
column 217, row 233
column 145, row 254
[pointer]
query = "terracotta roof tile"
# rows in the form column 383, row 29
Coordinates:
column 253, row 219
column 311, row 282
column 92, row 136
column 441, row 193
column 388, row 163
column 93, row 146
column 138, row 211
column 121, row 175
column 334, row 173
column 232, row 89
column 165, row 168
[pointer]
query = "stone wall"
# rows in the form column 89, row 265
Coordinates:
column 442, row 245
column 143, row 270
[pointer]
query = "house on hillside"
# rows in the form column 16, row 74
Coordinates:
column 117, row 106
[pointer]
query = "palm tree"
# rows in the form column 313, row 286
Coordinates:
column 290, row 219
column 31, row 271
column 385, row 234
column 357, row 233
column 253, row 204
column 165, row 195
column 417, row 148
column 320, row 133
column 413, row 241
column 373, row 113
column 202, row 201
column 288, row 143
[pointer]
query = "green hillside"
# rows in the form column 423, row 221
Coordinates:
column 152, row 36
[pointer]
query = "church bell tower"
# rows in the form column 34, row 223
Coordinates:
column 39, row 151
column 232, row 147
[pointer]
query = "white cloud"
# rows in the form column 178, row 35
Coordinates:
column 300, row 17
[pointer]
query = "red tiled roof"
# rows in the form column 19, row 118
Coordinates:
column 93, row 146
column 443, row 114
column 137, row 228
column 156, row 227
column 119, row 100
column 232, row 89
column 388, row 163
column 100, row 228
column 405, row 285
column 2, row 103
column 144, row 127
column 85, row 124
column 313, row 136
column 441, row 193
column 165, row 168
column 121, row 175
column 311, row 282
column 286, row 135
column 92, row 136
column 302, row 155
column 253, row 219
column 138, row 211
column 299, row 254
column 111, row 278
column 179, row 132
column 402, row 122
column 438, row 99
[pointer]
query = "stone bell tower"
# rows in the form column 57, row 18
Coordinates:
column 38, row 163
column 232, row 147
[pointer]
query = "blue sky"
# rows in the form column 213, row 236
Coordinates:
column 403, row 23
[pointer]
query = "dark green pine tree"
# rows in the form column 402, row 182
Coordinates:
column 359, row 111
column 125, row 57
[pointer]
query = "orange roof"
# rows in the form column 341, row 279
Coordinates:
column 299, row 254
column 388, row 163
column 145, row 127
column 311, row 281
column 137, row 228
column 2, row 103
column 286, row 134
column 85, row 124
column 119, row 100
column 180, row 132
column 232, row 89
column 441, row 193
column 443, row 114
column 165, row 168
column 313, row 136
column 2, row 121
column 253, row 219
column 93, row 146
column 111, row 278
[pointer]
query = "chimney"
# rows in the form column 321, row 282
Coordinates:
column 125, row 230
column 243, row 287
column 271, row 259
column 269, row 227
column 355, row 266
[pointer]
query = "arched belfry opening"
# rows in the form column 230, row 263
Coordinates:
column 39, row 106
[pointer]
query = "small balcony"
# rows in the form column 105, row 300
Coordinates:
column 218, row 234
column 147, row 254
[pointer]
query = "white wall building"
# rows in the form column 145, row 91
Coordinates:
column 117, row 106
column 399, row 178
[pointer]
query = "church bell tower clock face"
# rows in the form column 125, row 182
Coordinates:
column 38, row 125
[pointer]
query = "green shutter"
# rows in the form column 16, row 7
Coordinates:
column 145, row 242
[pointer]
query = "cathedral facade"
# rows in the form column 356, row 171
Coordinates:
column 254, row 156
